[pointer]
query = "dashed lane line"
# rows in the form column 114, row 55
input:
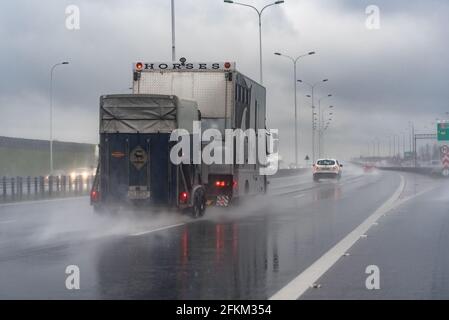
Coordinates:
column 157, row 229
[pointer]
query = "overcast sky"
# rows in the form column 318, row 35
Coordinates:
column 380, row 79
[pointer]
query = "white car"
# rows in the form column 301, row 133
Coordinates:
column 326, row 168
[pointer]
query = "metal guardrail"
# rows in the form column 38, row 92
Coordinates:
column 35, row 188
column 14, row 189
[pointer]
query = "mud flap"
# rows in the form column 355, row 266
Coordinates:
column 223, row 201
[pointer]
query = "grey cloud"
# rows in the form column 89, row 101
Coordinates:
column 380, row 79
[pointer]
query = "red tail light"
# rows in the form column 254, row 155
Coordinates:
column 94, row 195
column 183, row 197
column 220, row 183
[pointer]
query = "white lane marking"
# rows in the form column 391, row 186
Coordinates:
column 403, row 200
column 296, row 288
column 158, row 229
column 289, row 186
column 299, row 196
column 40, row 201
column 7, row 221
column 353, row 180
column 314, row 186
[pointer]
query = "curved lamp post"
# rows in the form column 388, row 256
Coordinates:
column 51, row 112
column 294, row 61
column 312, row 87
column 259, row 13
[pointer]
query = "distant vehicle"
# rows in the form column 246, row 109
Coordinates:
column 368, row 167
column 435, row 163
column 83, row 172
column 436, row 166
column 55, row 173
column 326, row 168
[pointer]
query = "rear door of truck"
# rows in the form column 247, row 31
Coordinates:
column 138, row 169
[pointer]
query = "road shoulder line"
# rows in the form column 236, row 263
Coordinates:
column 299, row 285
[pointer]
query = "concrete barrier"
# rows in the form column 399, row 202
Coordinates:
column 434, row 172
column 291, row 172
column 419, row 170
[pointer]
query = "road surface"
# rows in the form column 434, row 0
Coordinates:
column 300, row 241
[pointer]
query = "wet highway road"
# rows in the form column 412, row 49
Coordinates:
column 250, row 252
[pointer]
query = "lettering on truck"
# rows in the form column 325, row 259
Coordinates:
column 155, row 66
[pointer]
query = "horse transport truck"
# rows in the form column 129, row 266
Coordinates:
column 135, row 137
column 227, row 99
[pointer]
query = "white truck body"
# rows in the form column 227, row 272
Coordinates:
column 226, row 99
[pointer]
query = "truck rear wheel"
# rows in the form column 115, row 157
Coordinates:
column 98, row 209
column 199, row 204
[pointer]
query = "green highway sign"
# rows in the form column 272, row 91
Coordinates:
column 408, row 155
column 443, row 131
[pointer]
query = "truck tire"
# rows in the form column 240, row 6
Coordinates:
column 199, row 204
column 98, row 209
column 265, row 184
column 246, row 187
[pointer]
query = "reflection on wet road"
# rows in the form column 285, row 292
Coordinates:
column 247, row 252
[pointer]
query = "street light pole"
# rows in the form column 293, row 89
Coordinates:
column 389, row 146
column 403, row 144
column 51, row 112
column 173, row 52
column 394, row 146
column 320, row 124
column 313, row 124
column 260, row 47
column 259, row 13
column 410, row 136
column 414, row 145
column 326, row 127
column 396, row 149
column 295, row 60
column 312, row 86
column 378, row 148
